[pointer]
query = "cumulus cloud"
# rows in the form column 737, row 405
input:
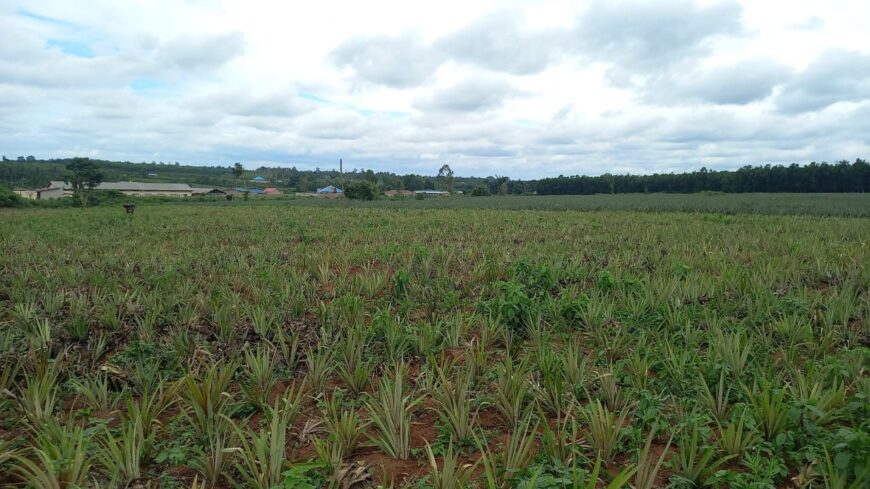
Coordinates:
column 471, row 95
column 739, row 83
column 497, row 42
column 645, row 36
column 836, row 76
column 527, row 89
column 38, row 62
column 204, row 52
column 399, row 62
column 242, row 103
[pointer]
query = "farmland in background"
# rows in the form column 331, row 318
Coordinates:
column 310, row 343
column 772, row 204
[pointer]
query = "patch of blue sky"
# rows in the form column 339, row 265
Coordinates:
column 395, row 115
column 51, row 20
column 316, row 98
column 389, row 114
column 365, row 112
column 146, row 84
column 73, row 48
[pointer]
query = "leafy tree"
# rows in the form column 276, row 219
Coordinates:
column 238, row 170
column 445, row 174
column 9, row 198
column 413, row 182
column 481, row 192
column 86, row 175
column 360, row 190
column 502, row 183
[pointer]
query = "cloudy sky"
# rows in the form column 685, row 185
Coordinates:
column 518, row 88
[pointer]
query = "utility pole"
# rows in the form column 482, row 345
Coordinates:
column 341, row 175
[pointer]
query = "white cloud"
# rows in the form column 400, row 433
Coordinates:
column 526, row 89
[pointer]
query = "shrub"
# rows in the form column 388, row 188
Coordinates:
column 10, row 199
column 481, row 192
column 511, row 305
column 104, row 197
column 360, row 191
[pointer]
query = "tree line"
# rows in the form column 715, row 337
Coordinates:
column 815, row 177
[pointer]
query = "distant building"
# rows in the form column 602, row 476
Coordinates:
column 432, row 193
column 399, row 193
column 27, row 194
column 272, row 191
column 207, row 191
column 145, row 189
column 151, row 175
column 330, row 189
column 259, row 179
column 57, row 189
column 243, row 190
column 54, row 190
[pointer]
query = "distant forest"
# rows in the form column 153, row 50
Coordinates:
column 815, row 177
column 29, row 172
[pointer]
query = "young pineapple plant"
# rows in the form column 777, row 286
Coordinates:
column 390, row 411
column 207, row 399
column 512, row 390
column 502, row 467
column 605, row 428
column 260, row 456
column 452, row 474
column 353, row 369
column 453, row 398
column 123, row 455
column 344, row 424
column 735, row 438
column 695, row 462
column 58, row 457
column 260, row 375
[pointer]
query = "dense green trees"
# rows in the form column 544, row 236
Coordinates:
column 360, row 190
column 815, row 177
column 9, row 199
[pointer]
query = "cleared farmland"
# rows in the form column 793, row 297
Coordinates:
column 282, row 345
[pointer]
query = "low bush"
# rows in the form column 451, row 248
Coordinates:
column 360, row 191
column 10, row 199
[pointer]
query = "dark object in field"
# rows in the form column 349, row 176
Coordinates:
column 129, row 207
column 229, row 197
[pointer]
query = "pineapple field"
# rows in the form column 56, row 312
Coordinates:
column 303, row 346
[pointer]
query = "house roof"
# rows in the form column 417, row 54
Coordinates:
column 130, row 186
column 145, row 187
column 259, row 178
column 329, row 189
